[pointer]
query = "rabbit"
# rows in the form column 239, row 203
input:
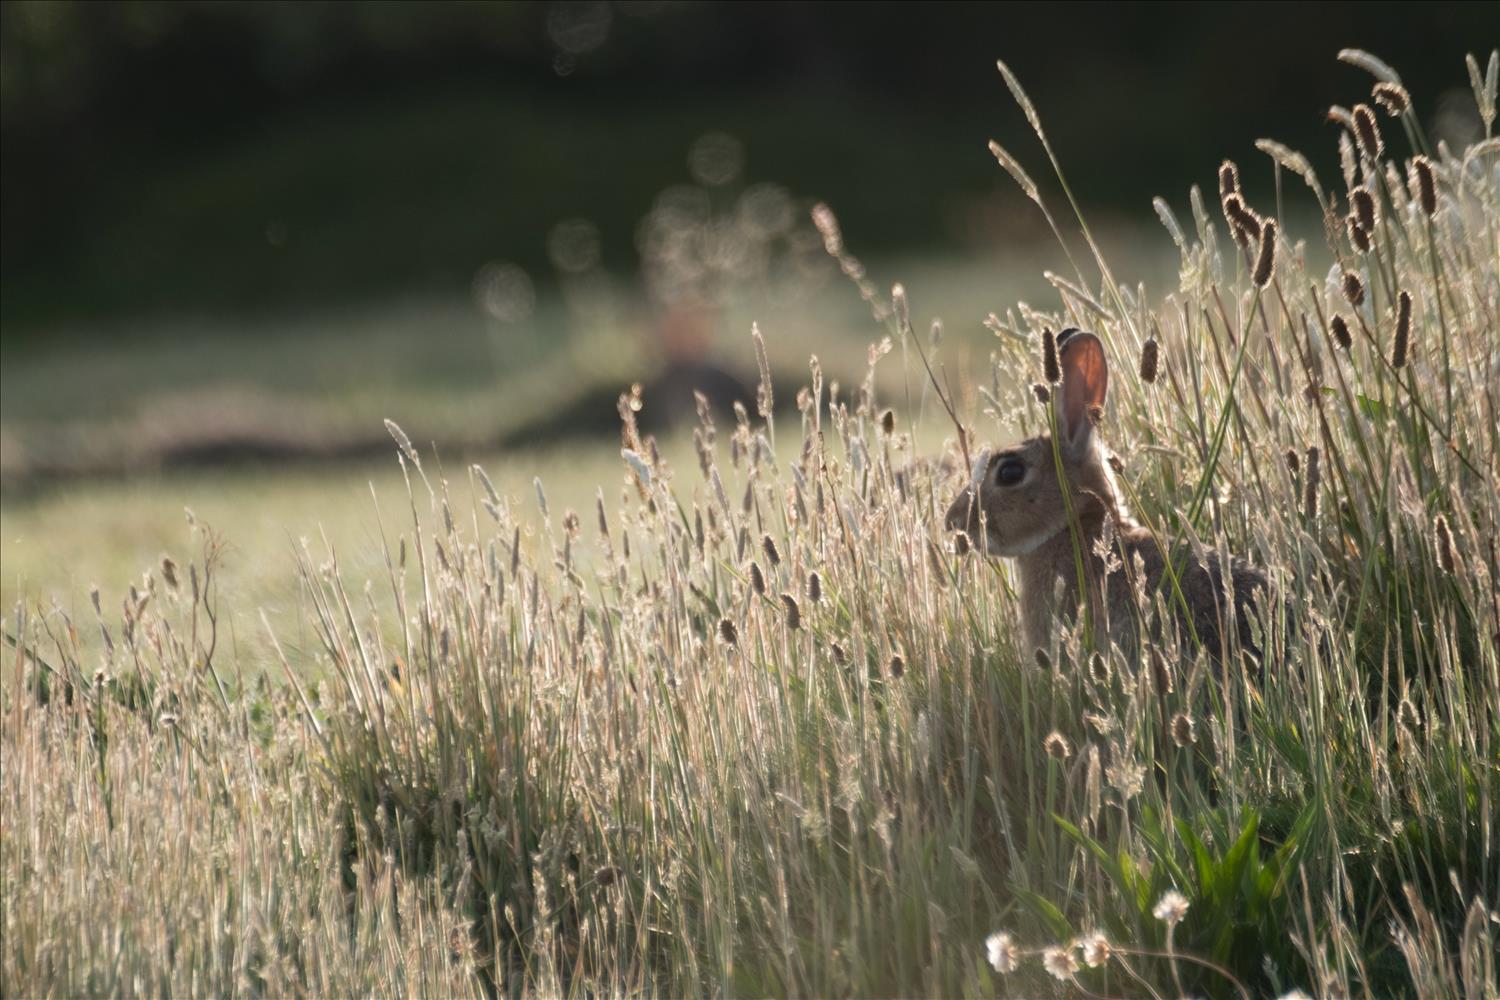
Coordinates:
column 1013, row 507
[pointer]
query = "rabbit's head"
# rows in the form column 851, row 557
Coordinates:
column 1014, row 502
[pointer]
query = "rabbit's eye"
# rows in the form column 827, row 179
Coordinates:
column 1010, row 472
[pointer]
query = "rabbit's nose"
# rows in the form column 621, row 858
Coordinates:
column 961, row 512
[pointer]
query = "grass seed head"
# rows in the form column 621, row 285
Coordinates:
column 768, row 545
column 1423, row 184
column 728, row 633
column 897, row 665
column 1339, row 327
column 1229, row 179
column 1364, row 207
column 793, row 612
column 814, row 587
column 1392, row 97
column 1367, row 132
column 1447, row 558
column 1057, row 746
column 1041, row 392
column 1354, row 288
column 1358, row 235
column 1265, row 260
column 1051, row 371
column 757, row 579
column 1149, row 360
column 1401, row 346
column 1184, row 730
column 1310, row 492
column 1244, row 224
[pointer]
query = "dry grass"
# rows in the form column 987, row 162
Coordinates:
column 610, row 761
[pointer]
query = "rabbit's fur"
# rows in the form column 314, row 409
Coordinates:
column 1014, row 507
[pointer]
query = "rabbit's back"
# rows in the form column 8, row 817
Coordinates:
column 1203, row 589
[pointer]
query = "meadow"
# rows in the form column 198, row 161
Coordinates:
column 732, row 713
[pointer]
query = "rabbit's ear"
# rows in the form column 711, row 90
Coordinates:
column 1085, row 378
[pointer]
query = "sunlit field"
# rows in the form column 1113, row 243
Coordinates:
column 731, row 712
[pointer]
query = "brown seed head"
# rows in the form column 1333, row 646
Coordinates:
column 1265, row 260
column 1423, row 184
column 1358, row 235
column 840, row 654
column 757, row 578
column 1051, row 371
column 961, row 543
column 169, row 571
column 1364, row 207
column 1447, row 559
column 1229, row 179
column 1354, row 288
column 728, row 632
column 1041, row 392
column 1184, row 730
column 1367, row 132
column 1057, row 746
column 1244, row 224
column 1293, row 461
column 1402, row 344
column 814, row 587
column 1339, row 327
column 793, row 612
column 1310, row 491
column 888, row 422
column 768, row 545
column 897, row 665
column 1149, row 359
column 1042, row 659
column 1392, row 97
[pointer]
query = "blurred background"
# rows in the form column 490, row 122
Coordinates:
column 238, row 235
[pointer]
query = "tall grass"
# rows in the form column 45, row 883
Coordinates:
column 759, row 728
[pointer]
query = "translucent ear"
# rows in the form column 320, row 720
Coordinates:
column 1085, row 379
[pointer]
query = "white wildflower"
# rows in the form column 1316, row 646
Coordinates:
column 1060, row 963
column 1096, row 949
column 1171, row 908
column 1002, row 952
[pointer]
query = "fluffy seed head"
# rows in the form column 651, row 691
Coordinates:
column 1424, row 184
column 1402, row 343
column 1354, row 288
column 1184, row 730
column 1002, row 953
column 1060, row 963
column 1447, row 559
column 1265, row 260
column 1364, row 207
column 1229, row 179
column 1244, row 224
column 757, row 578
column 1149, row 360
column 1310, row 491
column 1339, row 327
column 793, row 613
column 1057, row 746
column 1041, row 392
column 1358, row 235
column 1293, row 461
column 888, row 422
column 1171, row 908
column 1051, row 371
column 768, row 545
column 897, row 665
column 1392, row 97
column 1095, row 948
column 1367, row 132
column 961, row 543
column 728, row 632
column 814, row 587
